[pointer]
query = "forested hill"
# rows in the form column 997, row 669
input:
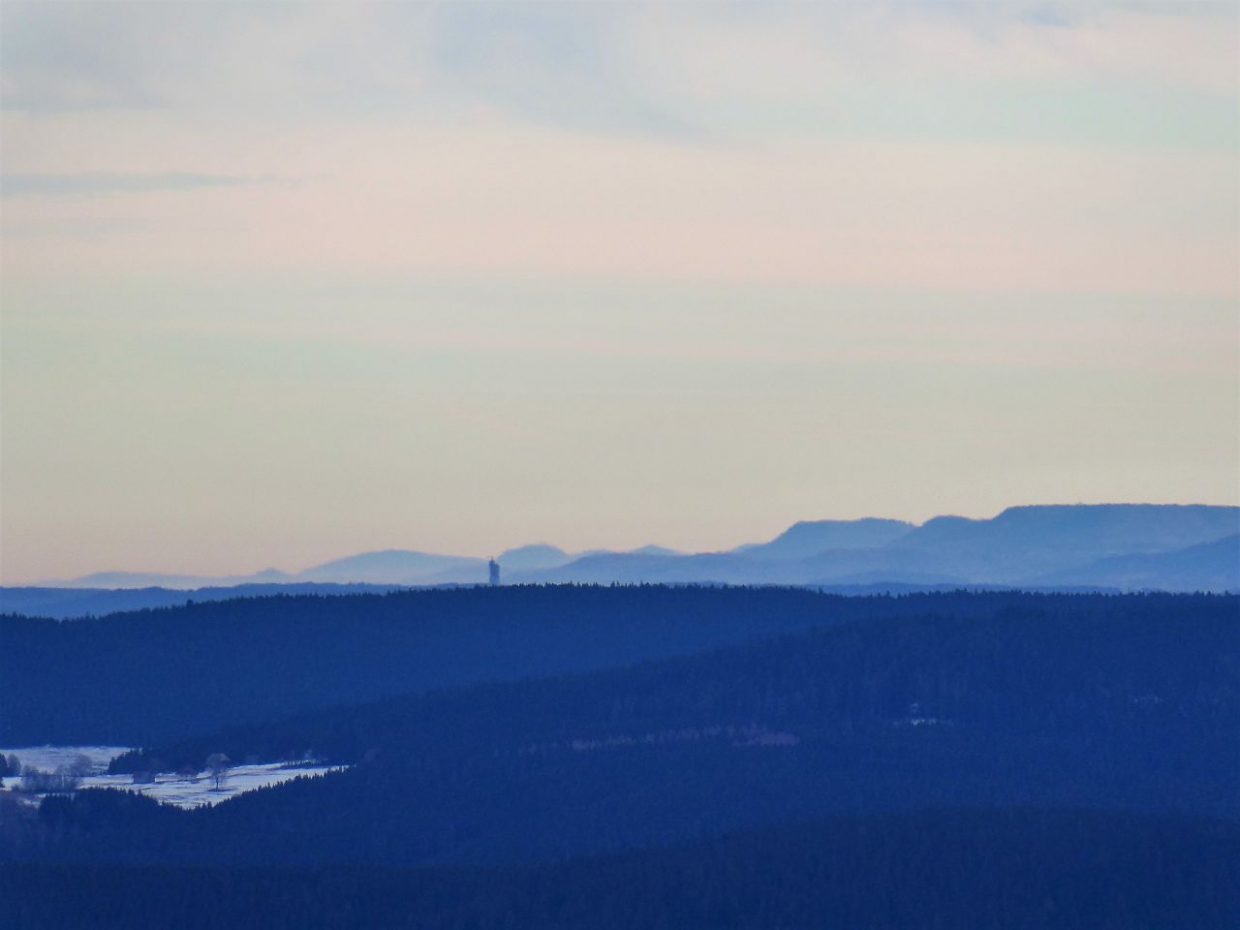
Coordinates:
column 1089, row 702
column 153, row 676
column 1045, row 665
column 67, row 603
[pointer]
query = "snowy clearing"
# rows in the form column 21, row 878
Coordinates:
column 185, row 791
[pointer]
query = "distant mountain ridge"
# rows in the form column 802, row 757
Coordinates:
column 391, row 566
column 538, row 555
column 1121, row 546
column 812, row 537
column 1192, row 568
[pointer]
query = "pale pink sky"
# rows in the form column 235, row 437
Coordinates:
column 286, row 282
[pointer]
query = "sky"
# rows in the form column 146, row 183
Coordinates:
column 280, row 283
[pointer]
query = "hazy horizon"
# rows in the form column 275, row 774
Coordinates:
column 283, row 283
column 495, row 552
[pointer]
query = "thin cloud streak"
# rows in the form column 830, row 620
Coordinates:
column 92, row 183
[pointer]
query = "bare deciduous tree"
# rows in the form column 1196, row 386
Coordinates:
column 217, row 765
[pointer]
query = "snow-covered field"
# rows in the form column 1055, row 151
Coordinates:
column 50, row 758
column 180, row 790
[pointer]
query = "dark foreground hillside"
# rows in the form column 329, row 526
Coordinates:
column 937, row 761
column 930, row 870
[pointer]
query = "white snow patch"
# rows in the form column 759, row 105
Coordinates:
column 185, row 791
column 200, row 791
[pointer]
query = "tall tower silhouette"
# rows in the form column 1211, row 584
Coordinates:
column 493, row 568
